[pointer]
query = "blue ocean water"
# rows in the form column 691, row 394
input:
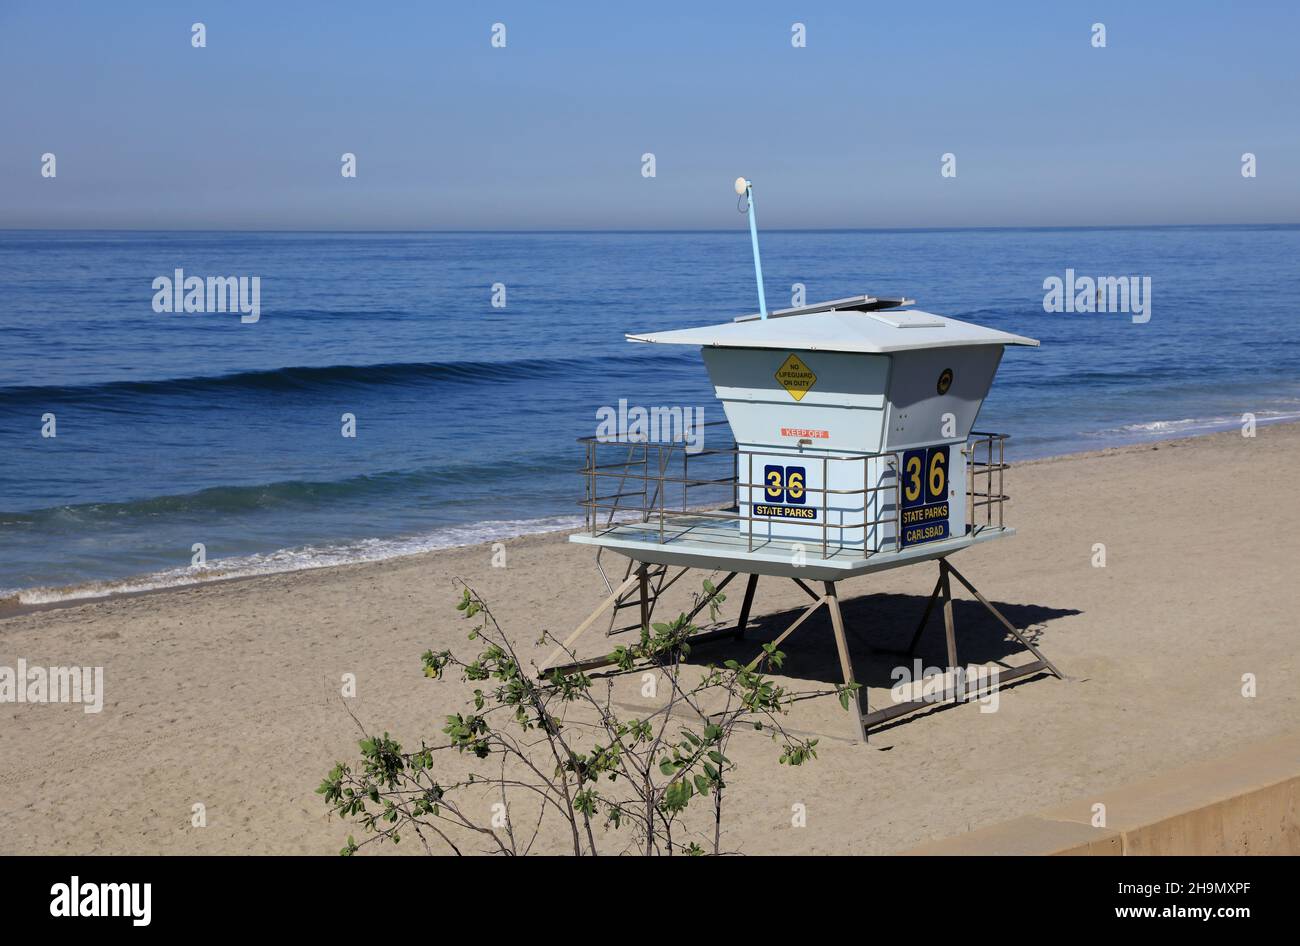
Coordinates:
column 177, row 428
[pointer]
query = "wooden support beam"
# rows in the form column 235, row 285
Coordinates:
column 948, row 628
column 643, row 583
column 1005, row 623
column 808, row 591
column 567, row 646
column 846, row 664
column 745, row 606
column 710, row 596
column 887, row 713
column 808, row 612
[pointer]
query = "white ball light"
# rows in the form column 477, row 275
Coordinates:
column 741, row 186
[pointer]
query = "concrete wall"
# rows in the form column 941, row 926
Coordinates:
column 1247, row 802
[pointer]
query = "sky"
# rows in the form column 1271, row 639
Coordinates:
column 549, row 132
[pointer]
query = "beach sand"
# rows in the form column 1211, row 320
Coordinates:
column 228, row 694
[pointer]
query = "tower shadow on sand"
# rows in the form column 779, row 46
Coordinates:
column 879, row 628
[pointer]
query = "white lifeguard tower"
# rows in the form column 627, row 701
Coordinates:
column 853, row 453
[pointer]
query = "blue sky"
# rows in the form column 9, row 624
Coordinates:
column 548, row 132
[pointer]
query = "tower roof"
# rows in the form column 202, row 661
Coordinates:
column 848, row 330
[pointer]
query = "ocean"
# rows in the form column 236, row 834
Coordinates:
column 177, row 428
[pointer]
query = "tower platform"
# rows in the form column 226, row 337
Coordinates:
column 721, row 544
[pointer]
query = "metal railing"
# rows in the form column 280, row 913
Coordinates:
column 644, row 474
column 987, row 468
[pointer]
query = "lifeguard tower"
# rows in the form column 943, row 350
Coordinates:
column 853, row 453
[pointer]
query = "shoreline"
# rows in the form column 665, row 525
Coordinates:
column 12, row 606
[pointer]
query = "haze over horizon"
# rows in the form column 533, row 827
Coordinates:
column 549, row 132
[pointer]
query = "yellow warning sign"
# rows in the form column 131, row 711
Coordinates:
column 796, row 377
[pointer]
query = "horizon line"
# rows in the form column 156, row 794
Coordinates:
column 541, row 230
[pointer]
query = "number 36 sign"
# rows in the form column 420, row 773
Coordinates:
column 925, row 495
column 785, row 489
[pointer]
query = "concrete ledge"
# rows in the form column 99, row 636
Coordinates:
column 1244, row 803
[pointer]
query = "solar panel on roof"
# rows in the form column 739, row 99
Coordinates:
column 862, row 303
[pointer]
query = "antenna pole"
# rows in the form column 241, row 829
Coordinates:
column 746, row 189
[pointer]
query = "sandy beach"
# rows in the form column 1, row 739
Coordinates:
column 228, row 694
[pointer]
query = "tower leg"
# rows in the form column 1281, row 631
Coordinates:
column 643, row 583
column 1007, row 624
column 948, row 628
column 846, row 665
column 745, row 605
